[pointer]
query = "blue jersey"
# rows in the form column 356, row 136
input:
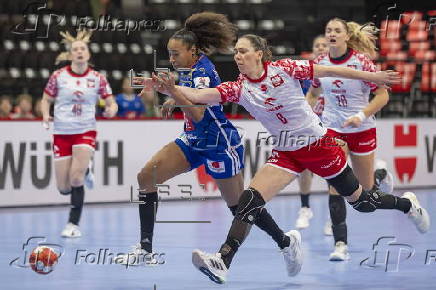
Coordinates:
column 305, row 85
column 129, row 108
column 214, row 131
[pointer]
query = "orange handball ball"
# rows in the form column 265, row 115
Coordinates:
column 43, row 259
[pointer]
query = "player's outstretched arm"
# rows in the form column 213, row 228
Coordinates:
column 164, row 83
column 381, row 77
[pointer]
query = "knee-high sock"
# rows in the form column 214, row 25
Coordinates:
column 76, row 198
column 267, row 224
column 147, row 218
column 338, row 213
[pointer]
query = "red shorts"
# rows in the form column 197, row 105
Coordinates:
column 359, row 143
column 323, row 157
column 63, row 144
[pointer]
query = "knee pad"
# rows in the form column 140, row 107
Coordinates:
column 250, row 205
column 345, row 183
column 369, row 201
column 338, row 211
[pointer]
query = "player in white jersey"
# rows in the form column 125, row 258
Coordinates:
column 74, row 90
column 305, row 213
column 348, row 113
column 272, row 93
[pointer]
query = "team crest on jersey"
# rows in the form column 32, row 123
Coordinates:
column 337, row 83
column 216, row 166
column 268, row 101
column 277, row 80
column 90, row 83
column 201, row 82
column 263, row 88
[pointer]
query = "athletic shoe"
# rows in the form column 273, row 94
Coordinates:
column 340, row 253
column 137, row 257
column 71, row 231
column 328, row 231
column 304, row 215
column 212, row 265
column 383, row 179
column 293, row 254
column 89, row 176
column 417, row 214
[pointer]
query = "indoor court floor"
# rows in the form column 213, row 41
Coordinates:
column 411, row 262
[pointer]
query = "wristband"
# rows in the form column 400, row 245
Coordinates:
column 361, row 116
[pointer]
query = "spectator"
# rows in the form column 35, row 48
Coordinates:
column 23, row 109
column 37, row 108
column 130, row 105
column 5, row 106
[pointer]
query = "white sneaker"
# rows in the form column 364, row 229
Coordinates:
column 137, row 257
column 383, row 179
column 304, row 215
column 293, row 254
column 417, row 214
column 328, row 231
column 340, row 253
column 212, row 265
column 71, row 231
column 89, row 176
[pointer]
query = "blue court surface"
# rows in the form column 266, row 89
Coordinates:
column 113, row 228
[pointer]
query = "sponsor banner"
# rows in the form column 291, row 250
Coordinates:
column 123, row 148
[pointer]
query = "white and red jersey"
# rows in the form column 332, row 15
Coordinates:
column 318, row 108
column 345, row 97
column 277, row 101
column 75, row 97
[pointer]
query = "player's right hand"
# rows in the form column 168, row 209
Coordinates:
column 168, row 108
column 46, row 121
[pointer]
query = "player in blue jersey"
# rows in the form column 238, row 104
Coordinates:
column 208, row 137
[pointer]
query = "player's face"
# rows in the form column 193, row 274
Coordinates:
column 180, row 55
column 80, row 52
column 320, row 46
column 336, row 34
column 246, row 57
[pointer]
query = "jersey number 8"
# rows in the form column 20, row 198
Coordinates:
column 282, row 118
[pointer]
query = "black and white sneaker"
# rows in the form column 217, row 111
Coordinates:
column 211, row 265
column 417, row 214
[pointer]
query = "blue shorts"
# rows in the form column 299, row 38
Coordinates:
column 219, row 164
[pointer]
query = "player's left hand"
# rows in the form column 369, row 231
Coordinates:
column 353, row 121
column 164, row 81
column 109, row 112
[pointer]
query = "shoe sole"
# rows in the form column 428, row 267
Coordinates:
column 200, row 265
column 334, row 258
column 297, row 236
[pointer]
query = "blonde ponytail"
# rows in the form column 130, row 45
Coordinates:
column 362, row 37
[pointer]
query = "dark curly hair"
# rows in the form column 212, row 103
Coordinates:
column 209, row 32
